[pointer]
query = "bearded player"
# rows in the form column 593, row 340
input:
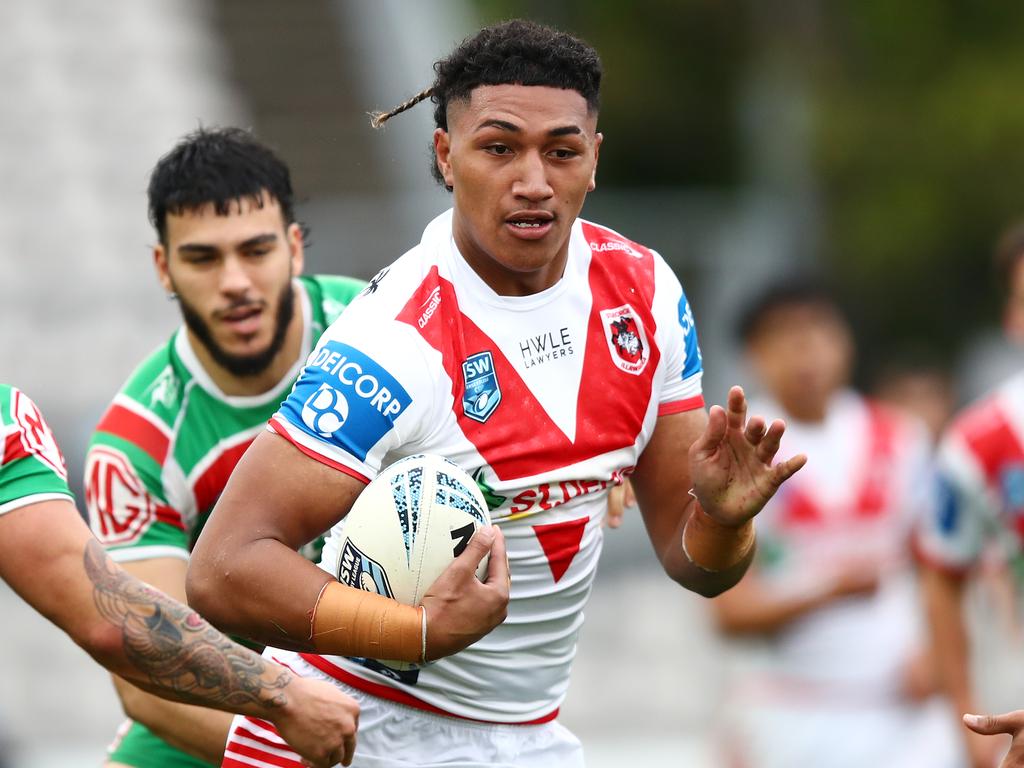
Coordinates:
column 48, row 556
column 230, row 252
column 981, row 465
column 547, row 356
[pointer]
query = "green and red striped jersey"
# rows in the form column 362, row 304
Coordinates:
column 164, row 449
column 32, row 466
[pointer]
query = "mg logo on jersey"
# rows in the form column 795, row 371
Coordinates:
column 482, row 393
column 325, row 411
column 36, row 437
column 627, row 342
column 120, row 507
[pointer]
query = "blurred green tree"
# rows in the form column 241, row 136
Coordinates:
column 917, row 139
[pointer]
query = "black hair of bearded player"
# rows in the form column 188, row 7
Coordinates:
column 516, row 52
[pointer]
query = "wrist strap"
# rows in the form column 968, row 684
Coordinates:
column 423, row 642
column 351, row 622
column 714, row 547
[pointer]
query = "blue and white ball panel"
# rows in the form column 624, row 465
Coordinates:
column 344, row 398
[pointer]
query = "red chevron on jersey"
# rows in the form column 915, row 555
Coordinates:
column 133, row 427
column 211, row 482
column 996, row 446
column 611, row 406
column 876, row 485
column 992, row 441
column 561, row 542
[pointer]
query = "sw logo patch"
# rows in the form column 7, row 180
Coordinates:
column 482, row 393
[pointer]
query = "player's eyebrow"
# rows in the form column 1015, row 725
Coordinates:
column 205, row 248
column 565, row 130
column 266, row 239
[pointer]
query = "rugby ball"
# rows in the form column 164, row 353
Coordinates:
column 406, row 527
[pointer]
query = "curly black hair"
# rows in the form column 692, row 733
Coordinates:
column 789, row 292
column 219, row 166
column 516, row 52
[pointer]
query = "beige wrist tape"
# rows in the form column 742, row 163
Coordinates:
column 712, row 546
column 351, row 622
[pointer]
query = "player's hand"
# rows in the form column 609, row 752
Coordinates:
column 620, row 497
column 984, row 752
column 855, row 578
column 919, row 677
column 319, row 722
column 460, row 608
column 731, row 463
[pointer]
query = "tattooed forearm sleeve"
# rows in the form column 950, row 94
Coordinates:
column 175, row 651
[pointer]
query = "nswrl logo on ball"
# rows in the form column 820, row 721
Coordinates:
column 345, row 398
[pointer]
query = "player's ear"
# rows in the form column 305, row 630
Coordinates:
column 296, row 247
column 160, row 262
column 442, row 154
column 598, row 138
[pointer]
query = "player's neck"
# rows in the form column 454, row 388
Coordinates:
column 508, row 282
column 267, row 379
column 805, row 410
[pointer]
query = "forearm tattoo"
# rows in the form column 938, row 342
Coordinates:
column 175, row 648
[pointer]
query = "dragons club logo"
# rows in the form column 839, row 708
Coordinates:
column 627, row 342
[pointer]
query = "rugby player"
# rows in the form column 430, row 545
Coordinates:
column 981, row 461
column 230, row 251
column 48, row 556
column 547, row 356
column 838, row 675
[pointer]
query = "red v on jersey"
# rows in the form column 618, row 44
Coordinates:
column 561, row 542
column 875, row 488
column 519, row 439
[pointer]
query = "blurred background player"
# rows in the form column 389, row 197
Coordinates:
column 230, row 252
column 834, row 673
column 49, row 557
column 981, row 478
column 548, row 356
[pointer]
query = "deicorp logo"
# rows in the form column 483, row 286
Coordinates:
column 325, row 411
column 346, row 398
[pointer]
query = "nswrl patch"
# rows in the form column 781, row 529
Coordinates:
column 482, row 393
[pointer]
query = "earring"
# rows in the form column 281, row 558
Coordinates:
column 172, row 296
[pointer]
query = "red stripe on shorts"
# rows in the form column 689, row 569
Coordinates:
column 398, row 696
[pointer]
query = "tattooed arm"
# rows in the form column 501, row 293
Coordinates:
column 198, row 731
column 48, row 556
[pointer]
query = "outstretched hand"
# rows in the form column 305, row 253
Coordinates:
column 731, row 462
column 1011, row 723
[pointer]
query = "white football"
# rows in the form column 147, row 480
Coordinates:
column 405, row 528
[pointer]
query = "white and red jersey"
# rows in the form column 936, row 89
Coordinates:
column 867, row 480
column 546, row 400
column 981, row 482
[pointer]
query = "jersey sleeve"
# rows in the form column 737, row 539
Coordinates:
column 360, row 395
column 683, row 367
column 954, row 529
column 125, row 497
column 32, row 469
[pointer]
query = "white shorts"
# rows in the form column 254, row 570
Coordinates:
column 393, row 735
column 777, row 735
